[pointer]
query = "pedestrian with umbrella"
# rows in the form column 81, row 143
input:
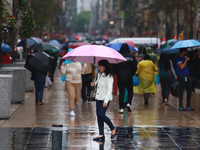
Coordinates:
column 6, row 49
column 125, row 72
column 94, row 54
column 104, row 83
column 73, row 82
column 39, row 64
column 184, row 78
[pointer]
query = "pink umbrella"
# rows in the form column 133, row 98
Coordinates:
column 94, row 53
column 40, row 39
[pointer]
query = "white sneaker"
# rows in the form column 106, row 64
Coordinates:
column 128, row 105
column 72, row 113
column 166, row 102
column 121, row 110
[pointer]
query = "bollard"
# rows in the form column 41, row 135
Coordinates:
column 56, row 138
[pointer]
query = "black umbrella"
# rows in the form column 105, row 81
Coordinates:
column 39, row 61
column 43, row 46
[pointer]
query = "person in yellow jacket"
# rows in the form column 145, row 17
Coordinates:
column 146, row 74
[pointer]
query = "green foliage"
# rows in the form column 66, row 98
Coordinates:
column 43, row 12
column 28, row 23
column 26, row 13
column 82, row 21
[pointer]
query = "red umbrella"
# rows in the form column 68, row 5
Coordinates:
column 74, row 45
column 130, row 43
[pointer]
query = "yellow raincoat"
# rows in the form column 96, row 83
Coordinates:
column 146, row 75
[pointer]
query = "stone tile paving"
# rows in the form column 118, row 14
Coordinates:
column 81, row 138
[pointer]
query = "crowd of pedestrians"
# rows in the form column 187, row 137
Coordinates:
column 82, row 78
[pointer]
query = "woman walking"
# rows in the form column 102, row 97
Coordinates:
column 145, row 71
column 166, row 69
column 73, row 82
column 104, row 85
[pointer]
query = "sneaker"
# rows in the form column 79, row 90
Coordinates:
column 121, row 110
column 72, row 113
column 128, row 107
column 189, row 109
column 181, row 109
column 166, row 102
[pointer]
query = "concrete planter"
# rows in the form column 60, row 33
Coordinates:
column 6, row 81
column 19, row 82
column 29, row 83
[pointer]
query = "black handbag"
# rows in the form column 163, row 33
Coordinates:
column 174, row 88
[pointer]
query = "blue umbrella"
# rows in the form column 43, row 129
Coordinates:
column 54, row 42
column 117, row 46
column 6, row 48
column 30, row 41
column 186, row 44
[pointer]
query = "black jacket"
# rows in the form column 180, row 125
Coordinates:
column 127, row 69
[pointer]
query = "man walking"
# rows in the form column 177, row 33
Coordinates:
column 125, row 71
column 183, row 79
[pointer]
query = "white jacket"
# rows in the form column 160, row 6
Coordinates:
column 104, row 87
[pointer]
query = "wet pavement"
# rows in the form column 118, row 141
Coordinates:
column 80, row 138
column 155, row 126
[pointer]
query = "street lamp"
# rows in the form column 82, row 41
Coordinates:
column 111, row 22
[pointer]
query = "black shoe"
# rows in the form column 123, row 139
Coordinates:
column 113, row 136
column 99, row 138
column 146, row 102
column 84, row 101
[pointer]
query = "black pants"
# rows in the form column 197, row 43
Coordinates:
column 51, row 75
column 182, row 85
column 86, row 80
column 165, row 85
column 101, row 117
column 194, row 76
column 122, row 84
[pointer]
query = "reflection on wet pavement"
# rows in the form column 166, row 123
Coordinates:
column 81, row 138
column 151, row 127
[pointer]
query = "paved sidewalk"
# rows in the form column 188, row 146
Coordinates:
column 155, row 126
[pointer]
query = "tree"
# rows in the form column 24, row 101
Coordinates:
column 82, row 21
column 168, row 8
column 27, row 22
column 190, row 10
column 44, row 10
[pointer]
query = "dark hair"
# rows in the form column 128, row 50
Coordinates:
column 183, row 50
column 107, row 66
column 146, row 57
column 124, row 48
column 164, row 60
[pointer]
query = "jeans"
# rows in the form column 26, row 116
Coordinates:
column 165, row 85
column 39, row 82
column 182, row 85
column 86, row 80
column 122, row 84
column 101, row 117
